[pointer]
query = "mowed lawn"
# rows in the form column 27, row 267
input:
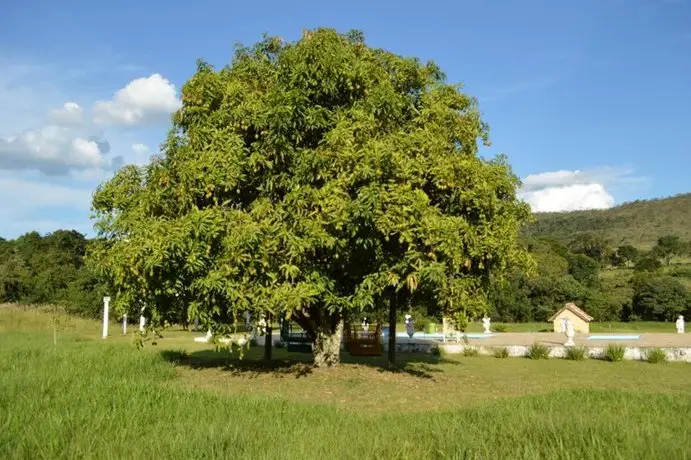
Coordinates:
column 94, row 398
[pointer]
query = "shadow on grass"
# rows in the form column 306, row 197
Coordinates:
column 299, row 365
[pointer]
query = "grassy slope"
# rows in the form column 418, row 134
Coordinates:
column 639, row 223
column 89, row 398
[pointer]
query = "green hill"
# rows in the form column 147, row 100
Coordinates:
column 639, row 223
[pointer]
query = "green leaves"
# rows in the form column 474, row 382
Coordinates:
column 310, row 178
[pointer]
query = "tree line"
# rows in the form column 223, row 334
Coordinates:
column 50, row 269
column 612, row 283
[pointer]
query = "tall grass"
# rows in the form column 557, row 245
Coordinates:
column 614, row 352
column 656, row 355
column 501, row 352
column 576, row 353
column 470, row 352
column 538, row 351
column 101, row 399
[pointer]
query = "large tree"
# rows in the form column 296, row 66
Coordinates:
column 667, row 247
column 311, row 179
column 659, row 298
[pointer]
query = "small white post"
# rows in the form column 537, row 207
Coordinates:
column 124, row 324
column 142, row 320
column 106, row 305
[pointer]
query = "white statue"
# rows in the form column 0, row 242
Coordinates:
column 409, row 326
column 563, row 325
column 365, row 325
column 570, row 333
column 261, row 325
column 680, row 324
column 486, row 324
column 205, row 339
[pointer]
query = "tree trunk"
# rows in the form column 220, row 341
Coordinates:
column 325, row 330
column 326, row 346
column 392, row 329
column 268, row 338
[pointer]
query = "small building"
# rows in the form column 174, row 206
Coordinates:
column 580, row 319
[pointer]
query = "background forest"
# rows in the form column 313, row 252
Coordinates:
column 628, row 263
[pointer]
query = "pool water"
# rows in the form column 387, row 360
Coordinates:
column 436, row 335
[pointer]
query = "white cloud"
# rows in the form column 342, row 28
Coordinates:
column 142, row 100
column 51, row 155
column 70, row 114
column 575, row 190
column 141, row 149
column 54, row 150
column 570, row 198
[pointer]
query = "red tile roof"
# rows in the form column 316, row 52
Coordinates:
column 575, row 310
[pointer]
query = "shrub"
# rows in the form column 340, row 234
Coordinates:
column 500, row 328
column 438, row 351
column 420, row 323
column 656, row 355
column 501, row 352
column 278, row 344
column 577, row 353
column 538, row 351
column 614, row 352
column 470, row 352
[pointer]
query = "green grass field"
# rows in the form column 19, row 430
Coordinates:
column 91, row 398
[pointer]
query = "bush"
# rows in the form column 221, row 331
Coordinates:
column 656, row 355
column 614, row 352
column 577, row 353
column 438, row 351
column 500, row 328
column 470, row 352
column 649, row 263
column 430, row 328
column 538, row 351
column 501, row 352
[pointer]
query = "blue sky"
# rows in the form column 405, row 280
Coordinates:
column 589, row 99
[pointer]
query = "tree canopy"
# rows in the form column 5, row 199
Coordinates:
column 669, row 246
column 311, row 179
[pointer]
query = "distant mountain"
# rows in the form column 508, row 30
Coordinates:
column 639, row 223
